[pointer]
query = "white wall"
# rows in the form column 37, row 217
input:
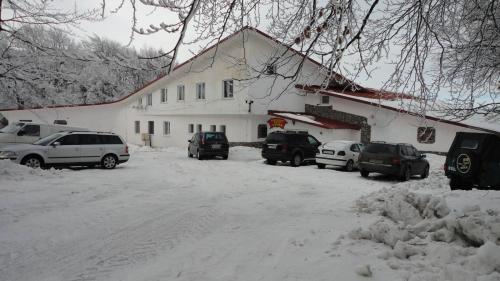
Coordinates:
column 97, row 117
column 391, row 126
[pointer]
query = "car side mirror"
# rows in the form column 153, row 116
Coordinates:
column 319, row 143
column 56, row 144
column 189, row 140
column 423, row 156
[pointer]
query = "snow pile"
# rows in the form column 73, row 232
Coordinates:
column 427, row 240
column 12, row 171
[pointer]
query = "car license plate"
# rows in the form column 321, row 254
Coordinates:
column 272, row 146
column 216, row 146
column 331, row 152
column 375, row 161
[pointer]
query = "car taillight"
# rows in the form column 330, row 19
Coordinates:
column 396, row 161
column 445, row 167
column 126, row 149
column 284, row 148
column 202, row 141
column 359, row 157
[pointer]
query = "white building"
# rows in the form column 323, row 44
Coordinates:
column 239, row 89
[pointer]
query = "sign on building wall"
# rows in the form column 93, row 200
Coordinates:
column 277, row 123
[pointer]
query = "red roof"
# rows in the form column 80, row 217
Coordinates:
column 313, row 120
column 361, row 93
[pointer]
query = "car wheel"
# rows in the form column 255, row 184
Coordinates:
column 271, row 162
column 364, row 174
column 296, row 160
column 406, row 175
column 425, row 173
column 349, row 166
column 33, row 161
column 189, row 154
column 198, row 155
column 321, row 166
column 109, row 161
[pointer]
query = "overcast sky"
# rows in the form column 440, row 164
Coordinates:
column 117, row 26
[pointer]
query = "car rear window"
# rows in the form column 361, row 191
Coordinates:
column 381, row 148
column 109, row 139
column 214, row 137
column 275, row 138
column 469, row 144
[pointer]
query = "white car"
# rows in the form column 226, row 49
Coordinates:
column 80, row 148
column 339, row 153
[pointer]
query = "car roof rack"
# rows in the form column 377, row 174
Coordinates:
column 295, row 132
column 378, row 142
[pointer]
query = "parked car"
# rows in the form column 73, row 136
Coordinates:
column 474, row 161
column 290, row 146
column 339, row 153
column 27, row 132
column 70, row 149
column 401, row 160
column 208, row 144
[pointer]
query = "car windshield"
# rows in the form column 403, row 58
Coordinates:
column 380, row 148
column 12, row 128
column 46, row 140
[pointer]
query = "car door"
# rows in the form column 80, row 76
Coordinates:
column 191, row 145
column 64, row 150
column 91, row 150
column 354, row 153
column 311, row 147
column 420, row 162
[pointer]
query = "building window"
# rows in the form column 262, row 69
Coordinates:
column 227, row 88
column 164, row 96
column 139, row 101
column 137, row 127
column 222, row 128
column 166, row 128
column 270, row 69
column 262, row 131
column 213, row 128
column 325, row 99
column 191, row 128
column 180, row 93
column 151, row 127
column 199, row 128
column 200, row 91
column 149, row 99
column 426, row 134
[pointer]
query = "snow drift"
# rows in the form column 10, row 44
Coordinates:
column 427, row 240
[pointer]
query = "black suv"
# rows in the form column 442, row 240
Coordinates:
column 474, row 160
column 296, row 147
column 401, row 160
column 208, row 144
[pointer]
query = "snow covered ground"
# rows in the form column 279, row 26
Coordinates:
column 162, row 216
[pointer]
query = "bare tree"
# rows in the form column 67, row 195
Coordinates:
column 444, row 48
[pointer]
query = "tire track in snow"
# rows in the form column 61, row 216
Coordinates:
column 144, row 241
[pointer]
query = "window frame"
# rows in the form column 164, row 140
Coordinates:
column 137, row 127
column 191, row 128
column 213, row 128
column 183, row 87
column 200, row 95
column 224, row 89
column 164, row 95
column 166, row 128
column 421, row 138
column 149, row 99
column 327, row 97
column 199, row 128
column 222, row 128
column 259, row 135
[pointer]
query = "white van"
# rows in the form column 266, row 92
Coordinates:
column 27, row 132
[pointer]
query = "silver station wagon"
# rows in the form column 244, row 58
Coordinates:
column 78, row 148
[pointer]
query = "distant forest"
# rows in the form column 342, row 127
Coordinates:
column 47, row 66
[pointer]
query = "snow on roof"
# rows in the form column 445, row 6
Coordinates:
column 411, row 106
